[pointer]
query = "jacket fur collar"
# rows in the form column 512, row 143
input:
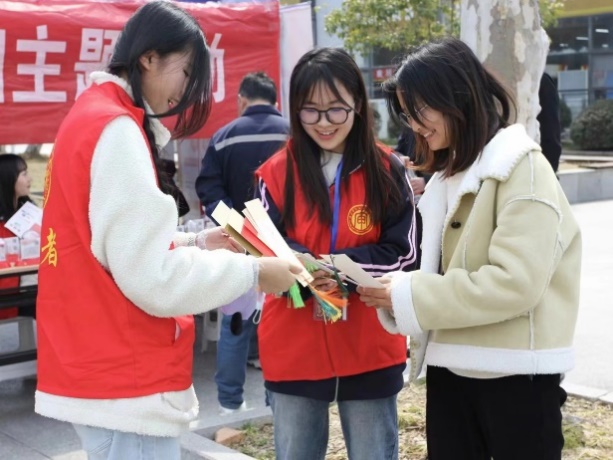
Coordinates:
column 497, row 161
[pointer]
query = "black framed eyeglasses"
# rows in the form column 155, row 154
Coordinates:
column 335, row 115
column 407, row 119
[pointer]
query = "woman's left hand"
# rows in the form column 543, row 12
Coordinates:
column 322, row 281
column 378, row 297
column 217, row 238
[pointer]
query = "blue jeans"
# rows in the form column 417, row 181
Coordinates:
column 301, row 426
column 103, row 444
column 233, row 351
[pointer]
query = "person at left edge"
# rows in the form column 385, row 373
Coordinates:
column 117, row 287
column 14, row 192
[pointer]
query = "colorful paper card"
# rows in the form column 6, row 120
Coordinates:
column 255, row 246
column 222, row 215
column 268, row 232
column 258, row 234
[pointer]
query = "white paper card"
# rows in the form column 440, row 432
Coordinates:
column 12, row 246
column 269, row 233
column 27, row 218
column 221, row 213
column 352, row 270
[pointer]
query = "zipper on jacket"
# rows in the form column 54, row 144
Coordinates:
column 338, row 383
column 531, row 325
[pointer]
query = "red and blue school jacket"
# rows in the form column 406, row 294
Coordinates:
column 293, row 345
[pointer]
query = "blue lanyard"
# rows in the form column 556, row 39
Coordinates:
column 336, row 209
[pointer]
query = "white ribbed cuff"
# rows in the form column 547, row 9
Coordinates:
column 388, row 321
column 402, row 303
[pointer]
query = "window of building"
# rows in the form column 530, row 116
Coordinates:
column 602, row 32
column 568, row 61
column 602, row 76
column 384, row 62
column 571, row 35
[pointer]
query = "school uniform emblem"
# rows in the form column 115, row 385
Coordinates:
column 359, row 219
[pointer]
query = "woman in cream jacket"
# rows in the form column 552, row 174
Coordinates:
column 492, row 311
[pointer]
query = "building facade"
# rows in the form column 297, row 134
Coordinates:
column 580, row 59
column 581, row 53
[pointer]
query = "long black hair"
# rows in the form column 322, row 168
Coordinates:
column 165, row 28
column 329, row 67
column 10, row 167
column 447, row 76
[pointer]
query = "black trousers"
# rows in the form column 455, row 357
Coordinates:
column 509, row 418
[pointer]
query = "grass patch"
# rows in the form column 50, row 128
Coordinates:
column 568, row 145
column 574, row 436
column 258, row 442
column 587, row 427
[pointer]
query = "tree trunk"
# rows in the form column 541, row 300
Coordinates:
column 508, row 38
column 32, row 151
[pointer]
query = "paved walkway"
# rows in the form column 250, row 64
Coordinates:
column 594, row 333
column 27, row 436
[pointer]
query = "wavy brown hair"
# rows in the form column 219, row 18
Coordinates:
column 448, row 77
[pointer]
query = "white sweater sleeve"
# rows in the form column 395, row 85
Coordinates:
column 133, row 224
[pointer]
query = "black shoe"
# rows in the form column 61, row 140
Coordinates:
column 236, row 324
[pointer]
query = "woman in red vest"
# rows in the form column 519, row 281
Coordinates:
column 115, row 330
column 334, row 190
column 14, row 190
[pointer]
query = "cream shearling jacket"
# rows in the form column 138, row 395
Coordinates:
column 509, row 250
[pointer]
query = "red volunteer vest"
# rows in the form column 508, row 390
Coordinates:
column 295, row 346
column 92, row 341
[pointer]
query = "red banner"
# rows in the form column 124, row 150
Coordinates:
column 48, row 49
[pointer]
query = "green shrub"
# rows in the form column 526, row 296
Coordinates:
column 393, row 130
column 593, row 128
column 566, row 117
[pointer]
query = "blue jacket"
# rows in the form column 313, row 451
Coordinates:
column 235, row 152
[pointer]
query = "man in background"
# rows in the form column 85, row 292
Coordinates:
column 549, row 121
column 234, row 153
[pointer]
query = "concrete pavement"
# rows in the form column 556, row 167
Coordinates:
column 593, row 373
column 27, row 436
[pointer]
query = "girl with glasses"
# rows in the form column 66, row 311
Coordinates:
column 495, row 303
column 334, row 190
